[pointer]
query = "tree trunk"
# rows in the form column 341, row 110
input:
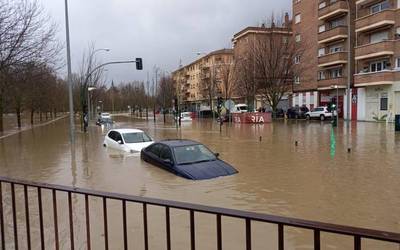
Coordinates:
column 32, row 113
column 18, row 111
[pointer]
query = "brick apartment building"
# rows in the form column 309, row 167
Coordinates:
column 247, row 38
column 189, row 79
column 371, row 28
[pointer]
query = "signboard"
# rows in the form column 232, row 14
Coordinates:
column 252, row 117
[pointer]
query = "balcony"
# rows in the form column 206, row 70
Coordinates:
column 375, row 78
column 384, row 48
column 376, row 20
column 333, row 10
column 328, row 83
column 334, row 34
column 332, row 59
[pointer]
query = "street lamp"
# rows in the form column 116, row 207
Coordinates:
column 348, row 66
column 69, row 80
column 101, row 103
column 88, row 98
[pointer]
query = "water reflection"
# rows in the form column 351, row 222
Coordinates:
column 275, row 176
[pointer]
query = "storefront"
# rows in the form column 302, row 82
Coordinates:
column 329, row 96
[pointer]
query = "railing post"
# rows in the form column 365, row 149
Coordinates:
column 192, row 231
column 248, row 234
column 105, row 223
column 219, row 232
column 281, row 242
column 55, row 214
column 357, row 242
column 317, row 239
column 168, row 227
column 71, row 221
column 124, row 225
column 87, row 217
column 146, row 237
column 39, row 191
column 28, row 227
column 14, row 216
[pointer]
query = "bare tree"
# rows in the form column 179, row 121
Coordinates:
column 166, row 93
column 25, row 36
column 245, row 84
column 274, row 56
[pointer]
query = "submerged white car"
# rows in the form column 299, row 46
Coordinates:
column 128, row 140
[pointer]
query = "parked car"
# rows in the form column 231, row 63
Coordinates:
column 321, row 113
column 186, row 158
column 128, row 140
column 186, row 116
column 297, row 112
column 104, row 121
column 105, row 115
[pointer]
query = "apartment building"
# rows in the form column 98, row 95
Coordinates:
column 304, row 26
column 354, row 42
column 246, row 39
column 190, row 80
column 377, row 59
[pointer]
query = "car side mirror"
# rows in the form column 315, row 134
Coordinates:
column 120, row 142
column 216, row 155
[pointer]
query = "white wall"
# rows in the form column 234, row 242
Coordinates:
column 361, row 104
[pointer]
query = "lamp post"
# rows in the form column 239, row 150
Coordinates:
column 101, row 103
column 348, row 65
column 335, row 111
column 69, row 79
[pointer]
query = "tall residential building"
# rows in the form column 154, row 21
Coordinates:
column 364, row 31
column 377, row 56
column 191, row 80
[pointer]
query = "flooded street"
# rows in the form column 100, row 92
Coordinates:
column 315, row 180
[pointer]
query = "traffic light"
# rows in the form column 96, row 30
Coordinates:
column 139, row 63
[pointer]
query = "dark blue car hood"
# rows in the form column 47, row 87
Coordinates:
column 206, row 170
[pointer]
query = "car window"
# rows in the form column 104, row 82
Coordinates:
column 193, row 154
column 136, row 137
column 111, row 134
column 319, row 109
column 155, row 149
column 118, row 136
column 165, row 153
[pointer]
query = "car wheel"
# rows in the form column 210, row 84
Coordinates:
column 308, row 117
column 322, row 117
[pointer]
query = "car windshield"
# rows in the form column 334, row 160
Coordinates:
column 106, row 120
column 193, row 154
column 136, row 137
column 243, row 107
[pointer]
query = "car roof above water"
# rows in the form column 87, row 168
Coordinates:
column 127, row 130
column 179, row 142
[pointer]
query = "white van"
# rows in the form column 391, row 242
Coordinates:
column 240, row 108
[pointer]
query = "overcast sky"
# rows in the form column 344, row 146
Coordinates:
column 160, row 31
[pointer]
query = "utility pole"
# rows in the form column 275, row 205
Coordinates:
column 71, row 101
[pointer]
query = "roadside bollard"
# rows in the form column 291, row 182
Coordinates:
column 296, row 143
column 260, row 138
column 348, row 150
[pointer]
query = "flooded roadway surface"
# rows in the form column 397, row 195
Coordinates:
column 312, row 180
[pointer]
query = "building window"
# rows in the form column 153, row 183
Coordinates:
column 298, row 38
column 335, row 48
column 384, row 101
column 379, row 36
column 297, row 18
column 336, row 73
column 297, row 79
column 321, row 75
column 336, row 23
column 297, row 59
column 322, row 5
column 321, row 28
column 378, row 66
column 321, row 51
column 380, row 6
column 398, row 63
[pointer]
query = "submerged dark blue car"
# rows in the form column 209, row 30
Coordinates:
column 186, row 158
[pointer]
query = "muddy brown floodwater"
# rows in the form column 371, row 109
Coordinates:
column 311, row 181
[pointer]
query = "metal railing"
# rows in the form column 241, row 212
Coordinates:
column 317, row 227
